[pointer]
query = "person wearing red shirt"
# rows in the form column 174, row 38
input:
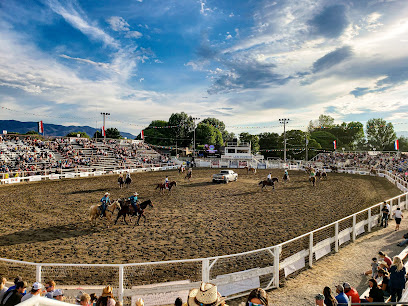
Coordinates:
column 384, row 257
column 351, row 293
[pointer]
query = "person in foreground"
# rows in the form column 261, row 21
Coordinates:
column 375, row 294
column 397, row 279
column 106, row 299
column 257, row 297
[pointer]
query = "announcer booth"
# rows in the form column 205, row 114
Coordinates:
column 238, row 155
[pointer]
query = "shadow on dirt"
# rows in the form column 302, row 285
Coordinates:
column 87, row 191
column 192, row 185
column 51, row 233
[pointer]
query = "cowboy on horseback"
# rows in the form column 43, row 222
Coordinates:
column 286, row 174
column 105, row 200
column 166, row 182
column 134, row 202
column 269, row 178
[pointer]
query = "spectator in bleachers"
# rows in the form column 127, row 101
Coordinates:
column 257, row 296
column 329, row 299
column 351, row 293
column 208, row 295
column 84, row 299
column 106, row 299
column 397, row 279
column 58, row 295
column 383, row 265
column 384, row 216
column 386, row 258
column 405, row 241
column 375, row 294
column 13, row 297
column 36, row 289
column 3, row 287
column 398, row 217
column 94, row 298
column 374, row 268
column 139, row 302
column 385, row 287
column 320, row 299
column 341, row 297
column 49, row 287
column 16, row 280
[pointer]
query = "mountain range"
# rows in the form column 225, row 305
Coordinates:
column 49, row 129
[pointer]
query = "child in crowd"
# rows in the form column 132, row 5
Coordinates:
column 374, row 268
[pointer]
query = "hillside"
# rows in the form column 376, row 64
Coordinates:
column 50, row 129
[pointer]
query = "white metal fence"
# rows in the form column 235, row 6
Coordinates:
column 161, row 282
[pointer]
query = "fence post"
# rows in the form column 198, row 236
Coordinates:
column 276, row 266
column 369, row 220
column 205, row 270
column 121, row 283
column 311, row 250
column 38, row 273
column 336, row 237
column 399, row 201
column 354, row 227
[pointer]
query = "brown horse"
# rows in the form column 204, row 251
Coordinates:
column 324, row 175
column 95, row 212
column 334, row 168
column 267, row 183
column 248, row 169
column 189, row 175
column 318, row 175
column 163, row 186
column 181, row 169
column 312, row 179
column 121, row 181
column 127, row 209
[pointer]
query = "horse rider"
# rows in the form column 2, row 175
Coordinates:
column 312, row 173
column 128, row 175
column 190, row 172
column 269, row 178
column 105, row 200
column 134, row 202
column 166, row 182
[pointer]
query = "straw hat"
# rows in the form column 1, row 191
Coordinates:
column 107, row 291
column 207, row 294
column 136, row 193
column 107, row 193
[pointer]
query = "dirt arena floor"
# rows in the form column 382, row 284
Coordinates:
column 48, row 221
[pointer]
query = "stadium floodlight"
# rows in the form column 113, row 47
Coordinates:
column 284, row 121
column 103, row 128
column 194, row 140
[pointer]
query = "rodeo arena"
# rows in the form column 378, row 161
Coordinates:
column 118, row 219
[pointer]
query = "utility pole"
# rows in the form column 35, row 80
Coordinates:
column 284, row 121
column 103, row 129
column 194, row 141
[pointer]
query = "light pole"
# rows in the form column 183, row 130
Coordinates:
column 194, row 141
column 284, row 121
column 104, row 133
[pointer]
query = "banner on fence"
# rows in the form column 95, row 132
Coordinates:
column 14, row 180
column 69, row 175
column 215, row 163
column 238, row 286
column 160, row 298
column 242, row 164
column 323, row 248
column 83, row 174
column 35, row 178
column 344, row 236
column 297, row 265
column 360, row 228
column 54, row 176
column 97, row 173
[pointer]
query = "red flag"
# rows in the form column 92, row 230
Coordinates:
column 103, row 131
column 142, row 134
column 40, row 127
column 335, row 144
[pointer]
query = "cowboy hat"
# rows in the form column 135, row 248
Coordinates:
column 107, row 193
column 207, row 294
column 107, row 291
column 136, row 193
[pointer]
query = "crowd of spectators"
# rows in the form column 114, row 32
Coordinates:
column 35, row 156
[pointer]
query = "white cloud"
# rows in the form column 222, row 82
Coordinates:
column 97, row 64
column 133, row 34
column 229, row 36
column 204, row 10
column 118, row 23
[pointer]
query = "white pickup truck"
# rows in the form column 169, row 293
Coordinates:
column 225, row 176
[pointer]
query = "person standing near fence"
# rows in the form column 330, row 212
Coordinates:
column 384, row 216
column 398, row 217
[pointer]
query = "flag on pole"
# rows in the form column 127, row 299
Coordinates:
column 40, row 127
column 396, row 145
column 335, row 144
column 142, row 135
column 103, row 131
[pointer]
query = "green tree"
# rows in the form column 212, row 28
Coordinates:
column 324, row 138
column 30, row 133
column 74, row 134
column 110, row 133
column 218, row 124
column 254, row 139
column 158, row 136
column 183, row 130
column 403, row 144
column 208, row 134
column 380, row 134
column 324, row 121
column 97, row 134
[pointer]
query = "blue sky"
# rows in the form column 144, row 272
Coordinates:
column 247, row 63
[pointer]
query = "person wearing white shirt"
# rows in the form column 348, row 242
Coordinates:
column 36, row 290
column 3, row 287
column 398, row 216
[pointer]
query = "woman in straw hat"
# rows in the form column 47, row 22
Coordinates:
column 257, row 296
column 106, row 299
column 206, row 295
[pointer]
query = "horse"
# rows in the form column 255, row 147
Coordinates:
column 312, row 179
column 267, row 183
column 128, row 180
column 318, row 175
column 253, row 170
column 324, row 175
column 334, row 168
column 285, row 177
column 189, row 175
column 181, row 169
column 163, row 186
column 95, row 212
column 127, row 209
column 120, row 181
column 373, row 172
